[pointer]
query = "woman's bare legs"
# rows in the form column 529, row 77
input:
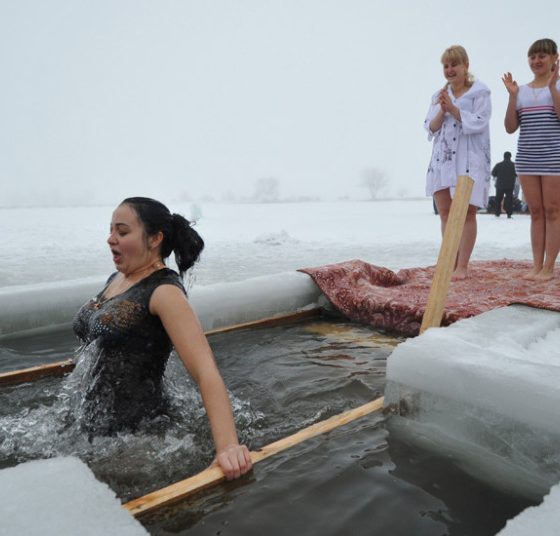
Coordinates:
column 468, row 238
column 551, row 202
column 532, row 189
column 466, row 245
column 443, row 204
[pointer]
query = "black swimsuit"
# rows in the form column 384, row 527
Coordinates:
column 125, row 349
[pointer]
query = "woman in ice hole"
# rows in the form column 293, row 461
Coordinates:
column 129, row 328
column 534, row 108
column 458, row 123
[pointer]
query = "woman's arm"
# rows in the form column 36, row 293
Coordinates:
column 434, row 118
column 437, row 121
column 184, row 330
column 553, row 86
column 511, row 121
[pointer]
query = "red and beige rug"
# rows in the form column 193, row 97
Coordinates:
column 396, row 302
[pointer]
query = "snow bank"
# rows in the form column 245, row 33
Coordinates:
column 60, row 497
column 487, row 390
column 30, row 308
column 44, row 305
column 225, row 304
column 275, row 239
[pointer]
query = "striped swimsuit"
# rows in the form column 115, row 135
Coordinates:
column 538, row 147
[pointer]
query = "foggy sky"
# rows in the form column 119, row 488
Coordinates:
column 105, row 99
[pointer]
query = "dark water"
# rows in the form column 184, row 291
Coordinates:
column 358, row 479
column 25, row 351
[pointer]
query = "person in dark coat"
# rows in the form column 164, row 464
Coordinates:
column 505, row 175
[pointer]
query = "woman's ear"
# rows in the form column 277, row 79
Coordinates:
column 156, row 240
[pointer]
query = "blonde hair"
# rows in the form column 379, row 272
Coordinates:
column 458, row 54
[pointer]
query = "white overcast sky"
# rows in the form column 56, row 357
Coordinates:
column 103, row 99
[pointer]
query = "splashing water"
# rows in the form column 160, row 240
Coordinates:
column 43, row 420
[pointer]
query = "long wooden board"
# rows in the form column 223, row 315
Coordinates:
column 214, row 475
column 447, row 254
column 269, row 322
column 60, row 368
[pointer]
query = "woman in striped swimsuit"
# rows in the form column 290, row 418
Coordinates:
column 535, row 108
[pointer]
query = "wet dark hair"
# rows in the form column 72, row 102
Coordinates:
column 178, row 235
column 547, row 46
column 507, row 155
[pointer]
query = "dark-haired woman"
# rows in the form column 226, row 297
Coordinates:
column 129, row 328
column 535, row 109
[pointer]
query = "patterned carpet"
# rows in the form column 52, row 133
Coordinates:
column 396, row 302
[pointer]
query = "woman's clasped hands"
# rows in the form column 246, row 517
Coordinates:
column 447, row 105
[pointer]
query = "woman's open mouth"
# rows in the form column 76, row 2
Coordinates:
column 116, row 256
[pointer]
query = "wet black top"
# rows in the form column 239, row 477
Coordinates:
column 124, row 353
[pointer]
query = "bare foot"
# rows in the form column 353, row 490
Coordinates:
column 544, row 275
column 459, row 274
column 532, row 275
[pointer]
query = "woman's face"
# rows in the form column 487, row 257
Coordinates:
column 127, row 240
column 455, row 72
column 541, row 63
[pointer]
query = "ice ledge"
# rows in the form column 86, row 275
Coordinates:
column 61, row 497
column 542, row 520
column 35, row 308
column 506, row 361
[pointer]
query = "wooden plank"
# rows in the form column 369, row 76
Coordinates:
column 269, row 321
column 214, row 475
column 34, row 373
column 62, row 367
column 447, row 254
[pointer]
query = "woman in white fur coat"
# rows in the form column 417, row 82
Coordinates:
column 458, row 124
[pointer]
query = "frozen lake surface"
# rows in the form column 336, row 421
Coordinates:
column 246, row 240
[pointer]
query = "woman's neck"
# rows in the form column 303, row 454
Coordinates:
column 459, row 88
column 145, row 270
column 540, row 81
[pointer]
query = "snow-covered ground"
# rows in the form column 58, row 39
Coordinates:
column 246, row 240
